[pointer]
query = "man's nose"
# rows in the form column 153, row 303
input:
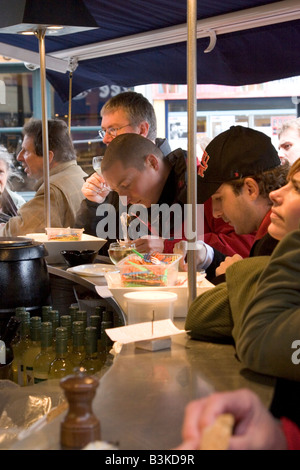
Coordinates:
column 107, row 138
column 217, row 211
column 20, row 156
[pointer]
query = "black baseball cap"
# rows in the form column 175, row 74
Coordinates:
column 233, row 154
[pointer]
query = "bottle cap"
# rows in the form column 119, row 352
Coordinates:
column 46, row 334
column 91, row 338
column 35, row 328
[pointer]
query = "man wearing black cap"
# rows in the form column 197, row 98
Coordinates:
column 239, row 168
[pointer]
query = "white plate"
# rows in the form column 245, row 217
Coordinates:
column 93, row 270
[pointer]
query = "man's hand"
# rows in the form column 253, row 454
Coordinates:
column 95, row 188
column 229, row 260
column 148, row 244
column 180, row 248
column 255, row 428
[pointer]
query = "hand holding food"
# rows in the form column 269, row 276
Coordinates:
column 95, row 188
column 254, row 427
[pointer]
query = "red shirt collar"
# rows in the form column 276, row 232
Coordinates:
column 263, row 228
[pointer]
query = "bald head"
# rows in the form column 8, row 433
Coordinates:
column 131, row 150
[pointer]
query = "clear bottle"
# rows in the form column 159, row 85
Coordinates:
column 41, row 364
column 92, row 362
column 19, row 349
column 78, row 350
column 61, row 365
column 66, row 321
column 33, row 350
column 7, row 339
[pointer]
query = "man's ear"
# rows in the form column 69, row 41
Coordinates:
column 252, row 188
column 51, row 158
column 152, row 161
column 144, row 128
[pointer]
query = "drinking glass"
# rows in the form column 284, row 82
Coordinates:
column 118, row 251
column 97, row 167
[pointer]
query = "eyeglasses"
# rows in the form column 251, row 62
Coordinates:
column 112, row 131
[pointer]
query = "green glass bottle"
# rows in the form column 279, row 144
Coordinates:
column 19, row 349
column 33, row 350
column 78, row 351
column 61, row 365
column 45, row 312
column 66, row 321
column 99, row 311
column 19, row 310
column 92, row 362
column 107, row 322
column 41, row 364
column 81, row 315
column 95, row 320
column 73, row 309
column 55, row 320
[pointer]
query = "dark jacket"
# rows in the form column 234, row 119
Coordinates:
column 175, row 191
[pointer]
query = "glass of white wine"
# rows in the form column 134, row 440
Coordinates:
column 118, row 251
column 97, row 167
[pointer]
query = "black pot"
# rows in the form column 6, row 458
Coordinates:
column 24, row 279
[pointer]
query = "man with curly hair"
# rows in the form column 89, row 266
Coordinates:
column 239, row 168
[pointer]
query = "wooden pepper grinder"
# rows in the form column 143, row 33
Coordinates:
column 80, row 426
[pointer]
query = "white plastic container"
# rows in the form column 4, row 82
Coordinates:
column 181, row 289
column 144, row 306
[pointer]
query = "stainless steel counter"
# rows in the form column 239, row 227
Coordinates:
column 63, row 289
column 141, row 399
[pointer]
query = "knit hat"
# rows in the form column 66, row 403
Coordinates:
column 233, row 154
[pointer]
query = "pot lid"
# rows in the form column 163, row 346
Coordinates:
column 6, row 242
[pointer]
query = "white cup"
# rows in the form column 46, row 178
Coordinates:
column 145, row 306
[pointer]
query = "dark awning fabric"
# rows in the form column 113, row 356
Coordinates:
column 239, row 58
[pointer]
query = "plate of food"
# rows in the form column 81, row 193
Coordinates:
column 55, row 246
column 93, row 270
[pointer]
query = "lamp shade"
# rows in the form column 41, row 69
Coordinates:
column 26, row 15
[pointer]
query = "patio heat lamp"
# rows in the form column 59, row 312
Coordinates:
column 41, row 19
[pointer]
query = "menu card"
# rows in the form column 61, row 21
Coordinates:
column 144, row 331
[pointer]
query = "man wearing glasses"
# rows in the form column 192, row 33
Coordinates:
column 131, row 112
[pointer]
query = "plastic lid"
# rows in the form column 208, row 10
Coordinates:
column 153, row 297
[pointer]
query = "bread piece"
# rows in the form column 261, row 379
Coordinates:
column 216, row 436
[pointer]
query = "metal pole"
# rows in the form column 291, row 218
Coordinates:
column 41, row 37
column 70, row 102
column 191, row 163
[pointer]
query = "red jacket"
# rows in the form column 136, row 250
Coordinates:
column 292, row 434
column 220, row 236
